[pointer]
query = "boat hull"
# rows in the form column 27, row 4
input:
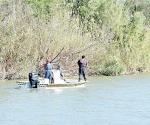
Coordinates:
column 72, row 83
column 66, row 84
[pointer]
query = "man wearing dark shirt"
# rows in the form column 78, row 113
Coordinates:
column 82, row 63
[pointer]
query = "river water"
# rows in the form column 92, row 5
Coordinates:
column 123, row 100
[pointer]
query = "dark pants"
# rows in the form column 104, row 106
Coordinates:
column 33, row 83
column 82, row 72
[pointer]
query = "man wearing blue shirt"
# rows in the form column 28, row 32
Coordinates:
column 48, row 71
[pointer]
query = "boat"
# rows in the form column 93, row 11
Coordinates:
column 45, row 83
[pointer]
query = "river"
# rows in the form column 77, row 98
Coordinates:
column 121, row 100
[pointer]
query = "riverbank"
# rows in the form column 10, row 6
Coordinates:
column 75, row 76
column 114, row 41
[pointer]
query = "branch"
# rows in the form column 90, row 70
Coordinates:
column 57, row 54
column 88, row 47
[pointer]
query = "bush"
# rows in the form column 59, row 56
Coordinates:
column 112, row 68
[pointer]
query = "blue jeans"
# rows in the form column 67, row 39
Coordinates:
column 48, row 75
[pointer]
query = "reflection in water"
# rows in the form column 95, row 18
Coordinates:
column 103, row 101
column 58, row 91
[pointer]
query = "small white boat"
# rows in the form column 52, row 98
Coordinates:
column 45, row 83
column 58, row 81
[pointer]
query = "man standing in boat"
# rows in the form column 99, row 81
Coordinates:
column 48, row 71
column 82, row 63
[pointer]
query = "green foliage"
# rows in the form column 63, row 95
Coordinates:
column 42, row 8
column 114, row 35
column 111, row 68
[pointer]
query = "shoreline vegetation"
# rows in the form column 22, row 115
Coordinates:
column 114, row 35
